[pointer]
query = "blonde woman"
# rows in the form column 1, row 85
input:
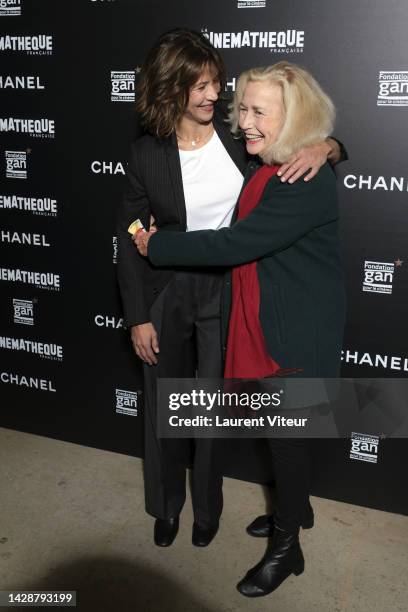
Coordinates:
column 285, row 308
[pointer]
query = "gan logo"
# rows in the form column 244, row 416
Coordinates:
column 126, row 402
column 393, row 88
column 41, row 44
column 37, row 128
column 251, row 3
column 284, row 41
column 45, row 207
column 16, row 164
column 105, row 167
column 378, row 276
column 41, row 280
column 390, row 362
column 10, row 8
column 364, row 447
column 372, row 183
column 115, row 249
column 123, row 86
column 23, row 311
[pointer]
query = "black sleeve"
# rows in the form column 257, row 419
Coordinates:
column 343, row 152
column 130, row 265
column 285, row 213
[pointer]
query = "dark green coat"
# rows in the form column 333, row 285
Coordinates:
column 293, row 234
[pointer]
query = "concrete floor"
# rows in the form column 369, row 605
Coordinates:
column 72, row 517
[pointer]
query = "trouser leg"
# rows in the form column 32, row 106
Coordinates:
column 206, row 475
column 291, row 467
column 166, row 458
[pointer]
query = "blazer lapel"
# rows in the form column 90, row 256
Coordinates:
column 173, row 161
column 234, row 149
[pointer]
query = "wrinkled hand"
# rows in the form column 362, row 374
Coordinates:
column 141, row 240
column 145, row 342
column 309, row 158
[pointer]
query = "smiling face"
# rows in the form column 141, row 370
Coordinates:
column 203, row 95
column 261, row 115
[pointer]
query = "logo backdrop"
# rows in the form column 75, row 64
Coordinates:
column 68, row 77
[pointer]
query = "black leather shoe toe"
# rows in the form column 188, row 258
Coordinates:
column 202, row 536
column 165, row 531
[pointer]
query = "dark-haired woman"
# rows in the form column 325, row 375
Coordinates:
column 186, row 171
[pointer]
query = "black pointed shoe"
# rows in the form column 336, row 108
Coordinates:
column 264, row 525
column 282, row 558
column 202, row 536
column 165, row 531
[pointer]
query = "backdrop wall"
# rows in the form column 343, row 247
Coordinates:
column 67, row 77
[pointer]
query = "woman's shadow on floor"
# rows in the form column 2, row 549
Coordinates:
column 116, row 585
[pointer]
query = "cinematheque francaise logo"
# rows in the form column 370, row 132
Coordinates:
column 41, row 280
column 38, row 44
column 45, row 350
column 44, row 207
column 282, row 41
column 36, row 128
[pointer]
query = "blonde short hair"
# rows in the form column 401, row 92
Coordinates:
column 309, row 112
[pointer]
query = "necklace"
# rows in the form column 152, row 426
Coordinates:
column 196, row 139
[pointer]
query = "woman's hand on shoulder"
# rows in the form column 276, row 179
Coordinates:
column 310, row 159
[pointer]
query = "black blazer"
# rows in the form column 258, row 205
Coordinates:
column 155, row 187
column 293, row 234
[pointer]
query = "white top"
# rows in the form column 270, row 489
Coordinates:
column 211, row 183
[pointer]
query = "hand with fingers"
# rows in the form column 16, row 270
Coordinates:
column 141, row 240
column 145, row 342
column 310, row 159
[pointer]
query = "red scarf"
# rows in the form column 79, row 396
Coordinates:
column 247, row 355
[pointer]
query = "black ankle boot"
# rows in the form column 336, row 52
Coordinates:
column 264, row 525
column 282, row 558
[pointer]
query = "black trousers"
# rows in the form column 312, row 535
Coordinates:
column 186, row 316
column 291, row 467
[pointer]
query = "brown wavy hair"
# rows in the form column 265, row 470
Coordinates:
column 172, row 67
